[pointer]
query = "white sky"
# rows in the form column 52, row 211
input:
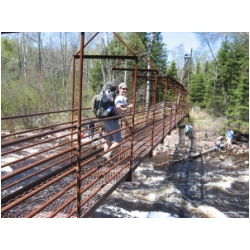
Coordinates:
column 173, row 39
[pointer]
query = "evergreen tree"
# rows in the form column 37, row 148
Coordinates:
column 172, row 71
column 238, row 89
column 197, row 90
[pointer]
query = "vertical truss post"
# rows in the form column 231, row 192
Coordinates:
column 163, row 116
column 72, row 105
column 144, row 95
column 129, row 178
column 165, row 109
column 176, row 105
column 78, row 177
column 153, row 125
column 172, row 99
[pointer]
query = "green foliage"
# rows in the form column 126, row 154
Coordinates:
column 197, row 90
column 9, row 61
column 222, row 87
column 96, row 78
column 160, row 55
column 37, row 73
column 172, row 71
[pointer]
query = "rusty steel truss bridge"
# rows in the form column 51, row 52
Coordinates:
column 57, row 171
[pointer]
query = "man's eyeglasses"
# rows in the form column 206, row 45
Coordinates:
column 124, row 88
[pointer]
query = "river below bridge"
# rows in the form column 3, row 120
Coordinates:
column 206, row 187
column 213, row 186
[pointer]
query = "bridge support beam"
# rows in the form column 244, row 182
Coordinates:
column 129, row 177
column 150, row 153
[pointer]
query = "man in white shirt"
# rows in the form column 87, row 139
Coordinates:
column 112, row 125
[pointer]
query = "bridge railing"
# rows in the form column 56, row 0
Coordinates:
column 57, row 171
column 39, row 165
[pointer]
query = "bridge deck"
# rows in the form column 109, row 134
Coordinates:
column 49, row 183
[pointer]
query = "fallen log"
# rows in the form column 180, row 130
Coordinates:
column 205, row 152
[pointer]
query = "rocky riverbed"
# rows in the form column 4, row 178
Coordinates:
column 173, row 184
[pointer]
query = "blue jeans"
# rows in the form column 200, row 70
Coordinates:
column 218, row 146
column 91, row 132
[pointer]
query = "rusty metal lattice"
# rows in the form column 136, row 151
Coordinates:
column 56, row 171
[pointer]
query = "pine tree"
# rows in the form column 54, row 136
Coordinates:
column 172, row 71
column 197, row 90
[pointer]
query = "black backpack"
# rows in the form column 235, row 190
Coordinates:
column 103, row 104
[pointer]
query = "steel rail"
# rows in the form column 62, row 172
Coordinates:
column 173, row 118
column 83, row 190
column 36, row 114
column 91, row 184
column 81, row 181
column 36, row 211
column 34, row 154
column 98, row 189
column 7, row 176
column 10, row 143
column 35, row 144
column 35, row 173
column 25, row 197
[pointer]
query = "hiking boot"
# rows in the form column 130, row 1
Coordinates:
column 107, row 155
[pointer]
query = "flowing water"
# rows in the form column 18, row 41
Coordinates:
column 206, row 187
column 193, row 188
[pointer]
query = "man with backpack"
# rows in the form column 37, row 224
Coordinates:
column 112, row 125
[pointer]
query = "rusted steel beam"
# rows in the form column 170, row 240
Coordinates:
column 158, row 128
column 34, row 144
column 34, row 174
column 79, row 115
column 126, row 45
column 36, row 114
column 132, row 69
column 93, row 179
column 51, row 200
column 146, row 58
column 42, row 134
column 35, row 129
column 107, row 57
column 34, row 154
column 25, row 197
column 18, row 171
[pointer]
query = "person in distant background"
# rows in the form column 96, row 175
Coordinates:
column 91, row 129
column 189, row 129
column 230, row 135
column 101, row 132
column 218, row 143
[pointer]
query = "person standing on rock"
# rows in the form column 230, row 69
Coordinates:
column 189, row 130
column 218, row 143
column 230, row 135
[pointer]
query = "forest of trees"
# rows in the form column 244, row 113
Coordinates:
column 221, row 86
column 37, row 71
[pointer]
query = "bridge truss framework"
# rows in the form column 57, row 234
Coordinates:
column 63, row 174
